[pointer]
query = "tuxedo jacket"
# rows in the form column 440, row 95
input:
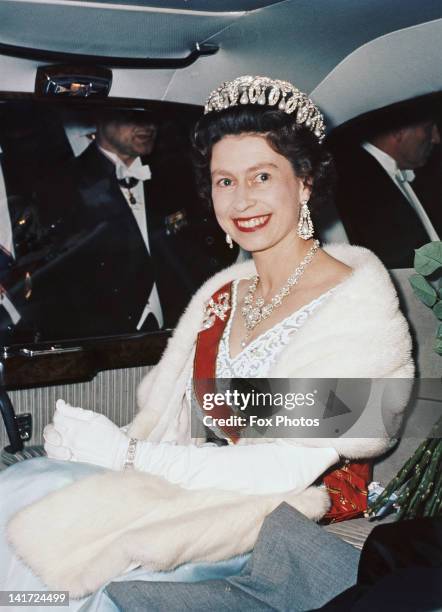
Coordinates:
column 374, row 211
column 99, row 273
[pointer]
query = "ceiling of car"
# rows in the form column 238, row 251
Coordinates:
column 398, row 66
column 307, row 42
column 220, row 6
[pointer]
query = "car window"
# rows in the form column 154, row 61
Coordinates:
column 103, row 232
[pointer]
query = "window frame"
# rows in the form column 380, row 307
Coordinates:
column 29, row 365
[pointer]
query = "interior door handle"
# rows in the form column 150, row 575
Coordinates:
column 52, row 350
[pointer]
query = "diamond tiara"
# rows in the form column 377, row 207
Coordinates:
column 268, row 92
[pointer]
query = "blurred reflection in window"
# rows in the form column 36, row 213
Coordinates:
column 106, row 233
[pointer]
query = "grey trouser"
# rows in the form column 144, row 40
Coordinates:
column 296, row 565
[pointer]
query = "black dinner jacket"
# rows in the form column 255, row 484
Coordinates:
column 99, row 273
column 374, row 212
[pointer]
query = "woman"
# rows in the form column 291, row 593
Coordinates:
column 293, row 311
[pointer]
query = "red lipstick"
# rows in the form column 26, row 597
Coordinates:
column 251, row 224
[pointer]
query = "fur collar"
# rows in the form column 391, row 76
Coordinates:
column 358, row 332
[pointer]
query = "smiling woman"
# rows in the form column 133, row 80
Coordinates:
column 334, row 314
column 156, row 494
column 310, row 162
column 255, row 188
column 265, row 172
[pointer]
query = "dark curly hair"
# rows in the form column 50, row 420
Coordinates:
column 311, row 162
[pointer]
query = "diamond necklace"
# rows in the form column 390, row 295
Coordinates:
column 254, row 313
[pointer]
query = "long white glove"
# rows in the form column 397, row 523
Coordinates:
column 83, row 435
column 255, row 469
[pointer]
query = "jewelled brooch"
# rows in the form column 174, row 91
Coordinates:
column 217, row 308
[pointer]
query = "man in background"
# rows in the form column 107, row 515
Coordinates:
column 127, row 254
column 376, row 201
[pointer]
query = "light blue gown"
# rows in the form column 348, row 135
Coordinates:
column 26, row 482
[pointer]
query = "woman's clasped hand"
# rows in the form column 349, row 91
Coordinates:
column 83, row 435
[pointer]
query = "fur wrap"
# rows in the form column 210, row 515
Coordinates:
column 81, row 536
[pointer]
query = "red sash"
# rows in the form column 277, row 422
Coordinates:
column 346, row 485
column 204, row 365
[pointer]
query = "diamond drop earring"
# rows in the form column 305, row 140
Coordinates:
column 229, row 241
column 305, row 225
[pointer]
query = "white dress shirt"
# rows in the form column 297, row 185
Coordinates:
column 402, row 179
column 142, row 173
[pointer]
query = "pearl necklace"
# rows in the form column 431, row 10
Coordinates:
column 255, row 313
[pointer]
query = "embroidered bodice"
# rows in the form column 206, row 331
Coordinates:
column 256, row 359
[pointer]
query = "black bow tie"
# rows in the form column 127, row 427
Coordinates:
column 128, row 183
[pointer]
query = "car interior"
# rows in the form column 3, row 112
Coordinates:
column 67, row 68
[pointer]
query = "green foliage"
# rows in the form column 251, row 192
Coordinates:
column 418, row 484
column 428, row 258
column 437, row 309
column 438, row 346
column 424, row 291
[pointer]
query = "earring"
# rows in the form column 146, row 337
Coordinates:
column 229, row 241
column 305, row 225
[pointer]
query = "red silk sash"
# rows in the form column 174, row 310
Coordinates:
column 204, row 365
column 347, row 485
